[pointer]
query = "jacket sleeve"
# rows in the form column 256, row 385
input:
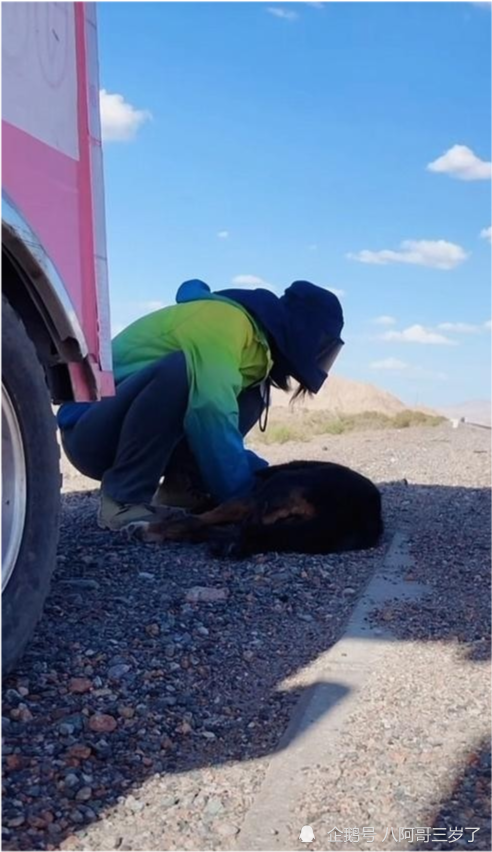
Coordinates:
column 212, row 419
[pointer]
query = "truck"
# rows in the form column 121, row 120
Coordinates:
column 56, row 339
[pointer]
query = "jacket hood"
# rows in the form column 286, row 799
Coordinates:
column 296, row 323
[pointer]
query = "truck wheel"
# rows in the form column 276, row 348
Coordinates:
column 30, row 488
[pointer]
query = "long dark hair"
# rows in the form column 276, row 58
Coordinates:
column 280, row 378
column 300, row 393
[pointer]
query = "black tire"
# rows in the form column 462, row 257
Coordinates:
column 28, row 397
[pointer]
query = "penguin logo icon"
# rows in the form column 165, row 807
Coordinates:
column 307, row 834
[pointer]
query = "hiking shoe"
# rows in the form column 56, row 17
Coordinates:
column 117, row 516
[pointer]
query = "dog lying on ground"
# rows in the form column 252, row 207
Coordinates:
column 301, row 506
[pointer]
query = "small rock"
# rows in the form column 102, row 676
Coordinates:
column 34, row 792
column 206, row 594
column 134, row 805
column 248, row 656
column 152, row 629
column 227, row 829
column 168, row 802
column 17, row 821
column 75, row 721
column 213, row 807
column 118, row 671
column 145, row 575
column 11, row 696
column 71, row 781
column 348, row 590
column 84, row 794
column 25, row 715
column 102, row 749
column 80, row 751
column 102, row 723
column 66, row 729
column 79, row 685
column 14, row 761
column 126, row 712
column 81, row 583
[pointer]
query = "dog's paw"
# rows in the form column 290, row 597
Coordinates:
column 137, row 529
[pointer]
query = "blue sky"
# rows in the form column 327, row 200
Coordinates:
column 344, row 143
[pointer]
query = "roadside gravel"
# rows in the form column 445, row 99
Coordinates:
column 145, row 713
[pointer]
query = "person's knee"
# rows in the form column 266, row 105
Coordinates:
column 81, row 457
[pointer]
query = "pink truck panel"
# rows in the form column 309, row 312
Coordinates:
column 52, row 159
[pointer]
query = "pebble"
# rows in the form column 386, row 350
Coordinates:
column 227, row 829
column 206, row 594
column 16, row 822
column 81, row 583
column 79, row 685
column 84, row 794
column 11, row 696
column 102, row 723
column 213, row 807
column 80, row 751
column 118, row 671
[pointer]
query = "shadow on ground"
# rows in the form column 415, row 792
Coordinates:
column 463, row 825
column 127, row 679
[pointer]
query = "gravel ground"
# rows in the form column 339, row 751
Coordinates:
column 145, row 712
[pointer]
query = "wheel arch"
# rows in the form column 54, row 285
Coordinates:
column 37, row 293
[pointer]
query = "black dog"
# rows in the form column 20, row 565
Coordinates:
column 303, row 507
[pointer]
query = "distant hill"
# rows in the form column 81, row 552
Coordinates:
column 475, row 410
column 345, row 396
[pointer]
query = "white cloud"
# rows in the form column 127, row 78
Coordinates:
column 486, row 233
column 223, row 235
column 251, row 281
column 459, row 327
column 385, row 320
column 462, row 163
column 418, row 334
column 438, row 254
column 389, row 364
column 336, row 291
column 315, row 5
column 279, row 12
column 120, row 120
column 410, row 371
column 488, row 324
